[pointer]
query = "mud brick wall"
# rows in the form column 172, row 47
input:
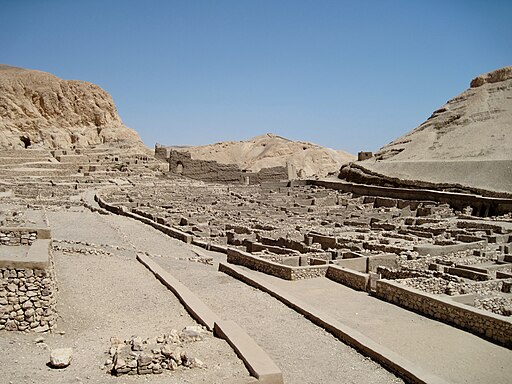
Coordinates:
column 485, row 324
column 212, row 171
column 27, row 299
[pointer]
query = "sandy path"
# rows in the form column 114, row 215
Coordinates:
column 450, row 353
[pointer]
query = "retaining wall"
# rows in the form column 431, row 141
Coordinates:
column 440, row 250
column 14, row 236
column 234, row 256
column 27, row 291
column 350, row 278
column 483, row 205
column 494, row 327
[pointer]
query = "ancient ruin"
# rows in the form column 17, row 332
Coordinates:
column 110, row 249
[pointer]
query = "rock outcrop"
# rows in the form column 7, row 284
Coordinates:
column 465, row 144
column 270, row 151
column 38, row 109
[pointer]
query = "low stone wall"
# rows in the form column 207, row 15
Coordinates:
column 212, row 171
column 350, row 278
column 180, row 235
column 440, row 250
column 282, row 271
column 359, row 264
column 17, row 236
column 494, row 327
column 494, row 204
column 27, row 298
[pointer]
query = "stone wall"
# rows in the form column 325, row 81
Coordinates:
column 482, row 323
column 136, row 356
column 350, row 278
column 285, row 272
column 486, row 206
column 27, row 299
column 212, row 171
column 15, row 237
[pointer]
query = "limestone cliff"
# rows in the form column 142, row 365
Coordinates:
column 41, row 110
column 466, row 143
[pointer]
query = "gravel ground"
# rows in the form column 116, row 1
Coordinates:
column 105, row 295
column 304, row 352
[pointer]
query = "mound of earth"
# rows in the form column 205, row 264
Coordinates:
column 38, row 109
column 465, row 144
column 267, row 151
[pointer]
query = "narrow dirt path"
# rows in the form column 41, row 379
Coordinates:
column 450, row 353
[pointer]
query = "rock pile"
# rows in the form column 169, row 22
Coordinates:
column 495, row 303
column 136, row 356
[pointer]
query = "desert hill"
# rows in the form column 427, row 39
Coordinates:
column 267, row 151
column 39, row 109
column 467, row 142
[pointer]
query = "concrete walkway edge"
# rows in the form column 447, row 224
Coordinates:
column 259, row 364
column 387, row 358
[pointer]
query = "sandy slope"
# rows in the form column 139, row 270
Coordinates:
column 467, row 141
column 269, row 150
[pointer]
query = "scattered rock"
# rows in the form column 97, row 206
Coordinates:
column 61, row 357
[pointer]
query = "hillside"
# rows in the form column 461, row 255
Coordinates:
column 465, row 143
column 41, row 110
column 268, row 151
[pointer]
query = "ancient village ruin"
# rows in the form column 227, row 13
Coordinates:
column 437, row 251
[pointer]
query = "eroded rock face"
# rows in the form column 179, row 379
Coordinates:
column 466, row 142
column 474, row 125
column 39, row 109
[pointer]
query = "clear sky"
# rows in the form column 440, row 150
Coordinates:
column 350, row 75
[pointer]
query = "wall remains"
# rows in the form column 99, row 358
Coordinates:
column 17, row 237
column 212, row 171
column 27, row 293
column 482, row 323
column 282, row 271
column 350, row 278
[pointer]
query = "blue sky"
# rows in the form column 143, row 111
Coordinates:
column 350, row 75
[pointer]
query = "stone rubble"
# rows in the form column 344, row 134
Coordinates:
column 137, row 356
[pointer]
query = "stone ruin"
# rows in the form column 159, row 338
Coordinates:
column 27, row 279
column 299, row 231
column 137, row 356
column 181, row 163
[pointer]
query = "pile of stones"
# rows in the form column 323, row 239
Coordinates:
column 137, row 356
column 496, row 304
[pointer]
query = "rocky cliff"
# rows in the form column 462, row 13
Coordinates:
column 465, row 144
column 38, row 109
